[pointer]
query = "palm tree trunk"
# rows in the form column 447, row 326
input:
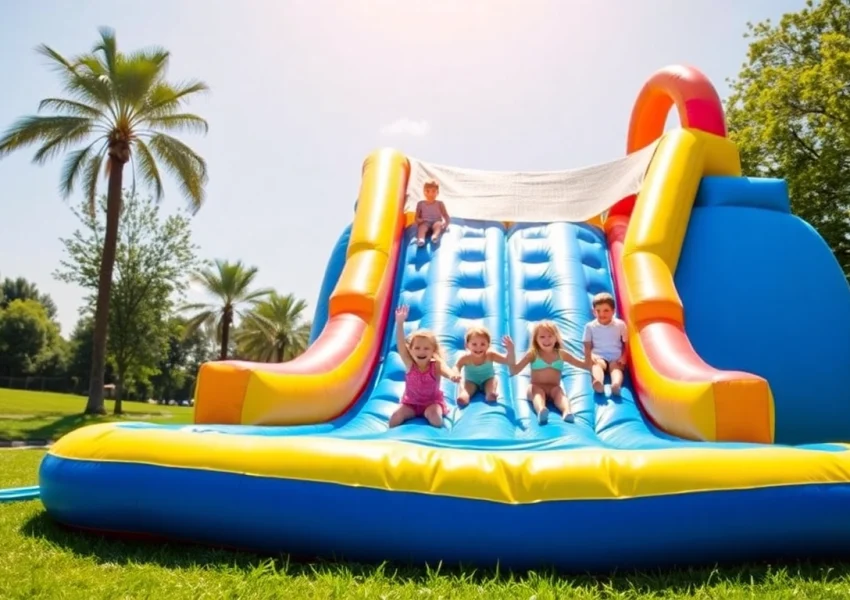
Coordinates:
column 95, row 406
column 280, row 351
column 226, row 320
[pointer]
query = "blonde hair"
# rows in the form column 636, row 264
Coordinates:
column 426, row 334
column 552, row 328
column 475, row 332
column 604, row 298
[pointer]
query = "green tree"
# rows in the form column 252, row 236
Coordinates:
column 22, row 289
column 153, row 258
column 27, row 337
column 789, row 113
column 275, row 330
column 230, row 285
column 119, row 106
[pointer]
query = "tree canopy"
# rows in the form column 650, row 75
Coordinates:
column 789, row 113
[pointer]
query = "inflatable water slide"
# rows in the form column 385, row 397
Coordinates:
column 726, row 444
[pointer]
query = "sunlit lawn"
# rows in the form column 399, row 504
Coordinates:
column 26, row 415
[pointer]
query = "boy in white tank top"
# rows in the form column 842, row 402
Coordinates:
column 605, row 341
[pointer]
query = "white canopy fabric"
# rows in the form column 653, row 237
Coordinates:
column 531, row 197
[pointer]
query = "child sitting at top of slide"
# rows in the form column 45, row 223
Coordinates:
column 546, row 357
column 424, row 365
column 605, row 342
column 476, row 366
column 431, row 214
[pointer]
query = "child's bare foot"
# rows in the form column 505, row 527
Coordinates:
column 462, row 399
column 598, row 386
column 435, row 238
column 569, row 417
column 543, row 416
column 491, row 396
column 420, row 242
column 615, row 389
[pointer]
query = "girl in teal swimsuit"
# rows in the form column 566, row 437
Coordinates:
column 546, row 357
column 476, row 366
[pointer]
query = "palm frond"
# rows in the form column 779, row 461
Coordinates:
column 149, row 170
column 77, row 109
column 165, row 98
column 187, row 166
column 178, row 122
column 134, row 76
column 31, row 129
column 87, row 86
column 108, row 47
column 90, row 179
column 72, row 167
column 61, row 142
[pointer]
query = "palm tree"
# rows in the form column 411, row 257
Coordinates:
column 230, row 284
column 120, row 106
column 275, row 330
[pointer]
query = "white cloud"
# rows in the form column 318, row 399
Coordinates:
column 405, row 126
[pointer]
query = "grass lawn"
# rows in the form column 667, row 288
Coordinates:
column 39, row 560
column 28, row 415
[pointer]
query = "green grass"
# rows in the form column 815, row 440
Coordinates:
column 26, row 415
column 40, row 560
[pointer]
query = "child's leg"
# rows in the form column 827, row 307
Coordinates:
column 421, row 232
column 434, row 414
column 402, row 413
column 598, row 372
column 491, row 389
column 562, row 403
column 466, row 391
column 537, row 395
column 616, row 380
column 436, row 230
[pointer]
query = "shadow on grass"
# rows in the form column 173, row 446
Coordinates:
column 178, row 555
column 46, row 426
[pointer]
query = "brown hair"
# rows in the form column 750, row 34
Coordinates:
column 552, row 328
column 431, row 183
column 475, row 332
column 604, row 298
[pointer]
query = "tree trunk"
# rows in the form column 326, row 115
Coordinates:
column 117, row 158
column 226, row 320
column 119, row 394
column 280, row 351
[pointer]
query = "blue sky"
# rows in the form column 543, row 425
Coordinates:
column 303, row 90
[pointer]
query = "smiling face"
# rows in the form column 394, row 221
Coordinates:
column 604, row 313
column 422, row 349
column 545, row 339
column 478, row 344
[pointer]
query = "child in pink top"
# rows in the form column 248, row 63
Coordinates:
column 424, row 366
column 431, row 214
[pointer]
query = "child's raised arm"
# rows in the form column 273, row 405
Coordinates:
column 400, row 317
column 510, row 359
column 581, row 364
column 498, row 357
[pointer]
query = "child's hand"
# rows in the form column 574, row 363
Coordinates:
column 455, row 376
column 508, row 342
column 401, row 314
